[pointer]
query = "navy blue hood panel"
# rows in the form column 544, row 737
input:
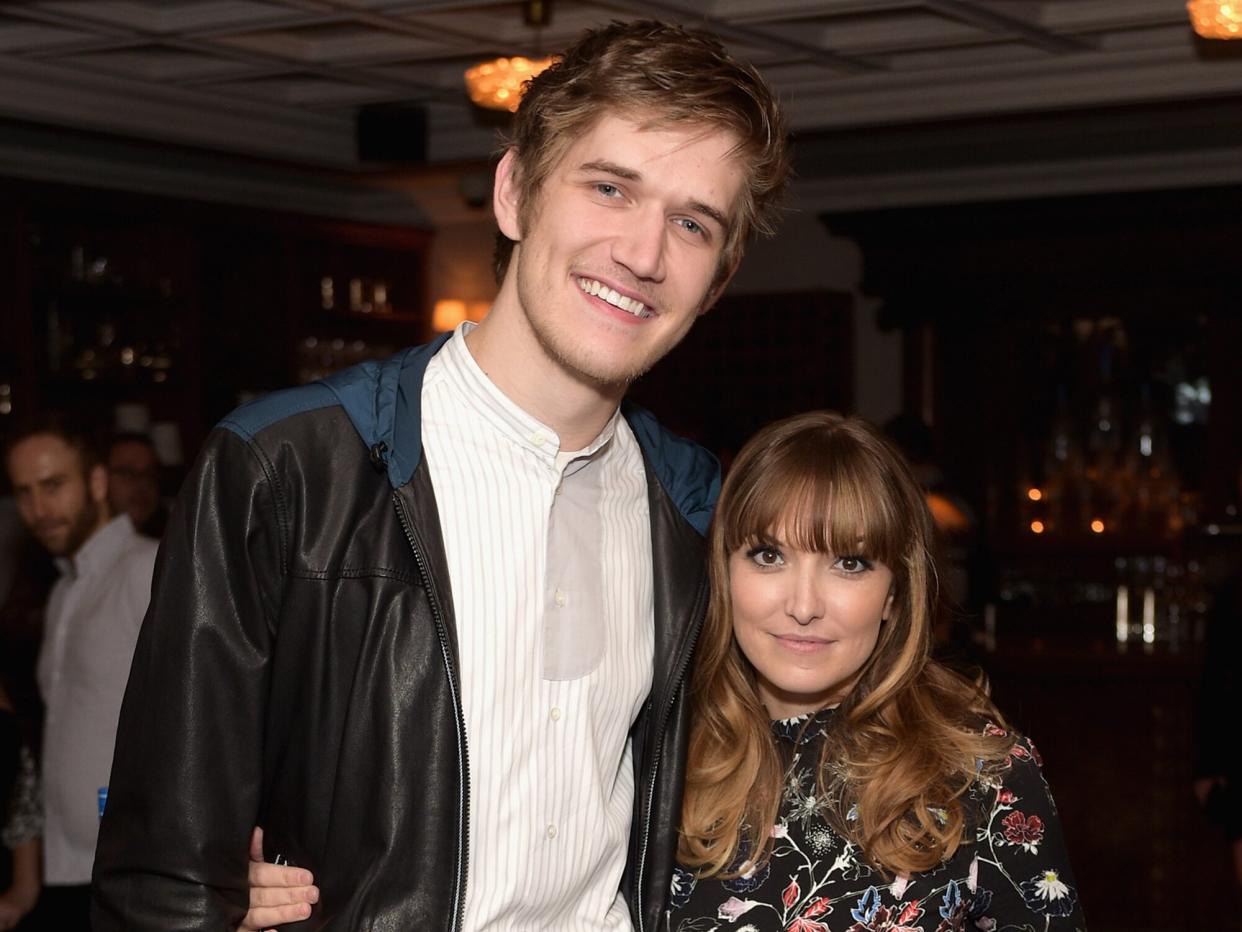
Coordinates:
column 690, row 475
column 383, row 401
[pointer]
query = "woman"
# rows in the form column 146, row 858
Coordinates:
column 839, row 779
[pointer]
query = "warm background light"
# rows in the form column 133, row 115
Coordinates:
column 1034, row 494
column 1216, row 19
column 1037, row 527
column 1097, row 526
column 447, row 314
column 497, row 84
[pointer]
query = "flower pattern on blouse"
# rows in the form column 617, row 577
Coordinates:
column 1013, row 876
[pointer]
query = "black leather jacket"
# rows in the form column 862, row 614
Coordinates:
column 297, row 669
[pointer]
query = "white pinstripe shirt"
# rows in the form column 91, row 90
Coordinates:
column 549, row 558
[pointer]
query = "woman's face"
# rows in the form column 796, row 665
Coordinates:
column 807, row 621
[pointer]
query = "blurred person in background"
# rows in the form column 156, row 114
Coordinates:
column 92, row 619
column 134, row 482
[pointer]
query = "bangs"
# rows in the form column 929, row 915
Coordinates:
column 820, row 498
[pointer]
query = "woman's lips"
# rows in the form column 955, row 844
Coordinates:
column 802, row 645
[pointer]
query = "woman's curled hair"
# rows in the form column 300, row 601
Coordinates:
column 908, row 740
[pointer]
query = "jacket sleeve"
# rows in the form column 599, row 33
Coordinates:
column 186, row 773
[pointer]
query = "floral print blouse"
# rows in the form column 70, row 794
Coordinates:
column 1014, row 877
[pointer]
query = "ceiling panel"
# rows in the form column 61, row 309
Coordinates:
column 839, row 63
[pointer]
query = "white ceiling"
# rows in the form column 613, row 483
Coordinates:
column 283, row 79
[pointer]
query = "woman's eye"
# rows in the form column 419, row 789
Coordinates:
column 766, row 556
column 853, row 564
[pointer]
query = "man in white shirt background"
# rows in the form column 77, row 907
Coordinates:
column 93, row 615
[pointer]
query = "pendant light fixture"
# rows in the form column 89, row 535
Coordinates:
column 497, row 84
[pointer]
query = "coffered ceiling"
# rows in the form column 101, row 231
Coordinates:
column 874, row 88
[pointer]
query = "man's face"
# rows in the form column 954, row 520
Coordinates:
column 623, row 244
column 61, row 503
column 133, row 480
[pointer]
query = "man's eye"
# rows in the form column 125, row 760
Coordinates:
column 691, row 227
column 606, row 189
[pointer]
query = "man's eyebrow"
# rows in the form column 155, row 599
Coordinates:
column 709, row 211
column 611, row 168
column 629, row 174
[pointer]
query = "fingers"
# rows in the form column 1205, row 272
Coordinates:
column 263, row 874
column 278, row 893
column 264, row 917
column 283, row 896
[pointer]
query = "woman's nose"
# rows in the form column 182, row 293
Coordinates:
column 806, row 596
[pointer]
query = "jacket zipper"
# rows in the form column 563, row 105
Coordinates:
column 655, row 763
column 459, row 899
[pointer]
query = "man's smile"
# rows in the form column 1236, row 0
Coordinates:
column 631, row 305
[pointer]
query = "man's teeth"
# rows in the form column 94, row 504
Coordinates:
column 592, row 287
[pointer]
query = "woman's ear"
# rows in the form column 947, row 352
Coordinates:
column 506, row 196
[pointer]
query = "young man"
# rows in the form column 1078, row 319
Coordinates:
column 428, row 623
column 91, row 623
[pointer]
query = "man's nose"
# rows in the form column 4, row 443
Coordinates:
column 40, row 506
column 642, row 242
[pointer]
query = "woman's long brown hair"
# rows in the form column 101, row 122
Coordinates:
column 907, row 742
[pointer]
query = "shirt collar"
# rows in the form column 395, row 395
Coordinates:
column 803, row 729
column 99, row 550
column 502, row 413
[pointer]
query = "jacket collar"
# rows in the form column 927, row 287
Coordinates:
column 384, row 403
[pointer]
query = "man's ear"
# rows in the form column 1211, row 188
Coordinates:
column 506, row 198
column 719, row 286
column 97, row 483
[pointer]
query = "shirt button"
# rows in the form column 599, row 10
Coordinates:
column 538, row 439
column 555, row 713
column 551, row 831
column 560, row 599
